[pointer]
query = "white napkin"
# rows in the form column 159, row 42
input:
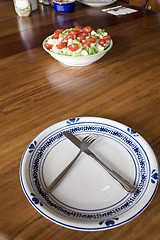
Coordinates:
column 119, row 10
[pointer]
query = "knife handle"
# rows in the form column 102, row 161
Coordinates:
column 61, row 175
column 125, row 184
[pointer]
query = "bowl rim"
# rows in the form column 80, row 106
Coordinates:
column 65, row 3
column 75, row 57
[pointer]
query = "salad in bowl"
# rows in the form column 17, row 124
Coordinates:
column 78, row 46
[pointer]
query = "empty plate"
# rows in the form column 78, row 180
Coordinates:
column 88, row 198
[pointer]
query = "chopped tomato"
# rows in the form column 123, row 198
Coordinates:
column 87, row 29
column 95, row 37
column 73, row 41
column 64, row 40
column 78, row 28
column 61, row 45
column 70, row 36
column 108, row 37
column 48, row 46
column 91, row 40
column 55, row 36
column 74, row 32
column 82, row 34
column 73, row 47
column 80, row 37
column 102, row 42
column 58, row 31
column 86, row 44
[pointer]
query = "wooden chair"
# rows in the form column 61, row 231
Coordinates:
column 143, row 2
column 126, row 1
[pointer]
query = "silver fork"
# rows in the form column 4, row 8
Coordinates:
column 86, row 142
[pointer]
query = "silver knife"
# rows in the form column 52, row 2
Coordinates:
column 125, row 184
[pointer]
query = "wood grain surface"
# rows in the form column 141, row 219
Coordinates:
column 149, row 4
column 36, row 91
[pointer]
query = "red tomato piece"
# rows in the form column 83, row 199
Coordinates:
column 48, row 46
column 80, row 37
column 108, row 37
column 87, row 29
column 78, row 28
column 91, row 40
column 86, row 44
column 55, row 36
column 95, row 37
column 70, row 36
column 64, row 40
column 58, row 31
column 74, row 32
column 73, row 47
column 82, row 34
column 102, row 42
column 61, row 45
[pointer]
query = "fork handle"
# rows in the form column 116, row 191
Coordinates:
column 125, row 184
column 61, row 175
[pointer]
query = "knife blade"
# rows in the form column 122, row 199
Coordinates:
column 73, row 139
column 87, row 141
column 125, row 184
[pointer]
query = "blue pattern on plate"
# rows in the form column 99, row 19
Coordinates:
column 154, row 176
column 108, row 222
column 72, row 120
column 32, row 146
column 92, row 127
column 132, row 132
column 36, row 200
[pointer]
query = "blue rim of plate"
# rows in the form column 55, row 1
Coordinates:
column 70, row 217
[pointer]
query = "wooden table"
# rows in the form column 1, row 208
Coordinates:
column 37, row 91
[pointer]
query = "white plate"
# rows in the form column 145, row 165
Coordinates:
column 88, row 198
column 96, row 3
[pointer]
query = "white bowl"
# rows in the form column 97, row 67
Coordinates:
column 78, row 61
column 95, row 3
